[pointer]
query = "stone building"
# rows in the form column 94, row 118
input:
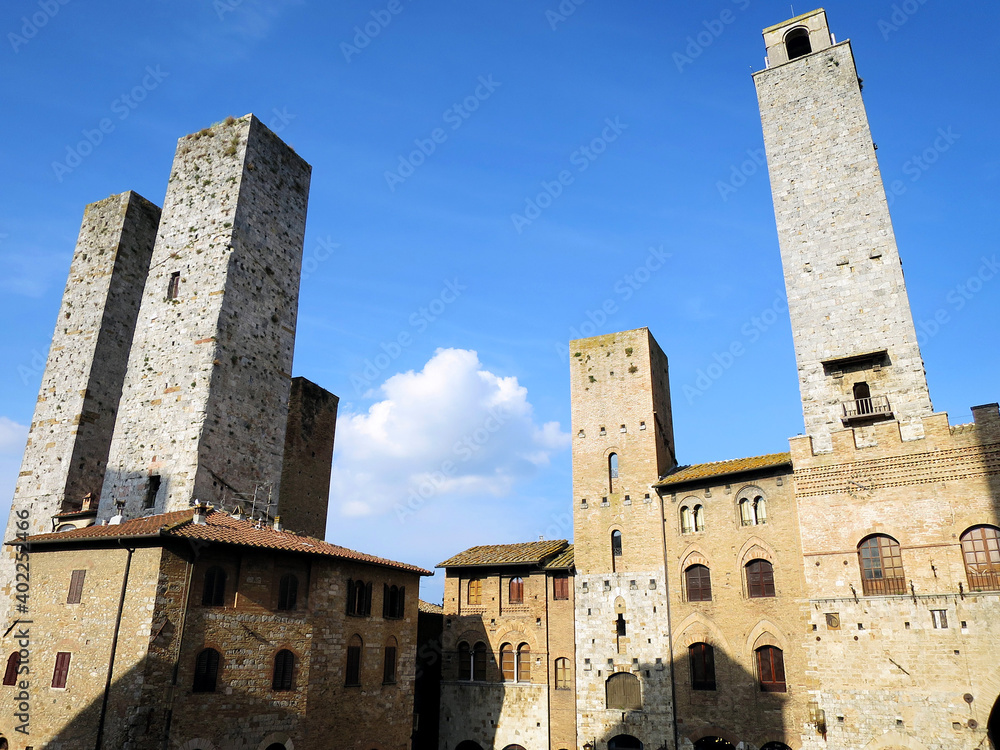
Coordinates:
column 844, row 595
column 509, row 648
column 210, row 631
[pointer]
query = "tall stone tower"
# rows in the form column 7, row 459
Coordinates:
column 855, row 343
column 622, row 443
column 205, row 400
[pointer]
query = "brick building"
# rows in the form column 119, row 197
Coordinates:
column 844, row 595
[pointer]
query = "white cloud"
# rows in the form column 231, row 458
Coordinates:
column 451, row 429
column 12, row 440
column 13, row 437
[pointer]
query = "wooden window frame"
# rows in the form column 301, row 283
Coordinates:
column 524, row 663
column 213, row 592
column 13, row 667
column 771, row 669
column 60, row 673
column 701, row 657
column 352, row 672
column 474, row 592
column 76, row 581
column 881, row 561
column 515, row 591
column 508, row 662
column 981, row 555
column 479, row 662
column 560, row 587
column 288, row 592
column 389, row 663
column 206, row 671
column 562, row 674
column 760, row 579
column 698, row 583
column 284, row 669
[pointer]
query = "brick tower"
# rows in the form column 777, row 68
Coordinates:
column 622, row 443
column 855, row 343
column 205, row 401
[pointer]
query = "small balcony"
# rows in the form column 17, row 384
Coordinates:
column 871, row 409
column 883, row 586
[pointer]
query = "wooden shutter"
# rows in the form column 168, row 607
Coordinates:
column 389, row 669
column 61, row 672
column 524, row 663
column 507, row 661
column 386, row 609
column 13, row 665
column 76, row 586
column 401, row 602
column 350, row 596
column 368, row 600
column 560, row 587
column 284, row 665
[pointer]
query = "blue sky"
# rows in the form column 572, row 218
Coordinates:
column 435, row 296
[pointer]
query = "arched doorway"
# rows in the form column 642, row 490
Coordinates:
column 468, row 745
column 276, row 746
column 775, row 746
column 624, row 742
column 993, row 727
column 713, row 743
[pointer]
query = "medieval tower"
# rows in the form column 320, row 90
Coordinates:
column 855, row 343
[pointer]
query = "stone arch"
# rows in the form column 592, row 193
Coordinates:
column 698, row 734
column 697, row 628
column 516, row 633
column 765, row 633
column 894, row 741
column 471, row 636
column 276, row 738
column 755, row 548
column 620, row 608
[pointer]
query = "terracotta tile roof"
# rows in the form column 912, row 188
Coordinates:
column 528, row 553
column 562, row 561
column 427, row 607
column 721, row 468
column 219, row 528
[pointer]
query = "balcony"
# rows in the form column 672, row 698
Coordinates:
column 872, row 409
column 883, row 586
column 986, row 581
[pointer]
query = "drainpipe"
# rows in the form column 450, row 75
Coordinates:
column 114, row 648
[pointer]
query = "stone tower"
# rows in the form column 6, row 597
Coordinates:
column 205, row 400
column 855, row 343
column 622, row 443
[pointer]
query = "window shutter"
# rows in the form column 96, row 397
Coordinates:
column 76, row 586
column 13, row 665
column 350, row 596
column 385, row 601
column 401, row 602
column 389, row 671
column 368, row 599
column 61, row 672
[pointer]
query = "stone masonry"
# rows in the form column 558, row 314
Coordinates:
column 70, row 432
column 843, row 275
column 204, row 404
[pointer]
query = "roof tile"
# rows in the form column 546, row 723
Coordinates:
column 527, row 553
column 721, row 468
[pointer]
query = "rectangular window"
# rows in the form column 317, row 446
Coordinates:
column 151, row 491
column 76, row 586
column 389, row 670
column 475, row 592
column 174, row 285
column 353, row 665
column 940, row 618
column 61, row 672
column 560, row 587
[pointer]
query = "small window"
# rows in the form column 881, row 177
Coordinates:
column 508, row 667
column 476, row 592
column 76, row 586
column 13, row 666
column 699, row 583
column 687, row 520
column 702, row 659
column 206, row 671
column 939, row 617
column 562, row 674
column 284, row 665
column 464, row 661
column 612, row 471
column 699, row 518
column 152, row 489
column 389, row 663
column 524, row 663
column 760, row 579
column 753, row 510
column 771, row 669
column 288, row 590
column 353, row 674
column 797, row 43
column 61, row 671
column 393, row 601
column 213, row 593
column 616, row 549
column 479, row 662
column 174, row 285
column 981, row 551
column 516, row 591
column 359, row 598
column 881, row 566
column 560, row 587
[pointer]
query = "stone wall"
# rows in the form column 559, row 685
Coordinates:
column 204, row 405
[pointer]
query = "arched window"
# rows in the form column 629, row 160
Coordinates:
column 775, row 746
column 524, row 663
column 699, row 583
column 760, row 579
column 213, row 594
column 687, row 520
column 612, row 471
column 624, row 742
column 797, row 43
column 760, row 508
column 507, row 662
column 623, row 692
column 563, row 676
column 479, row 662
column 699, row 518
column 352, row 675
column 359, row 598
column 464, row 661
column 284, row 665
column 516, row 591
column 513, row 747
column 981, row 550
column 616, row 548
column 702, row 658
column 13, row 665
column 863, row 398
column 753, row 511
column 468, row 745
column 475, row 592
column 771, row 669
column 206, row 671
column 288, row 592
column 389, row 663
column 881, row 566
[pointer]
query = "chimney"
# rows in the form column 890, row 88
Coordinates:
column 89, row 501
column 277, row 524
column 200, row 513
